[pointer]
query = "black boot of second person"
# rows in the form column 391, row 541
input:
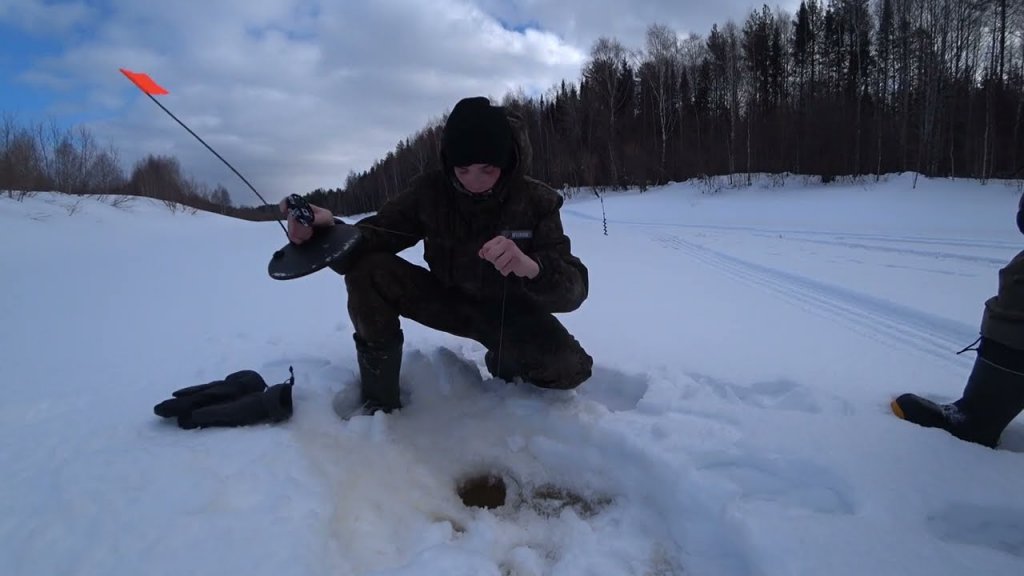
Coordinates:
column 992, row 398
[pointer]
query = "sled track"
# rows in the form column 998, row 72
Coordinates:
column 869, row 316
column 902, row 250
column 848, row 239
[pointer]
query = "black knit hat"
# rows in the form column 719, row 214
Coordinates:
column 477, row 133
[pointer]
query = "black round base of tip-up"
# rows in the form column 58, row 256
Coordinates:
column 329, row 245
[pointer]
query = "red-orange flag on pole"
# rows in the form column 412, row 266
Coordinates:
column 144, row 82
column 149, row 87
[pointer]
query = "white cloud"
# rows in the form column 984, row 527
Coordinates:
column 297, row 93
column 581, row 22
column 35, row 16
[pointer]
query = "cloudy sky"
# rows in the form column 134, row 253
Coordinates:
column 298, row 93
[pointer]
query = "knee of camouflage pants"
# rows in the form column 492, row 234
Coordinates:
column 382, row 288
column 561, row 367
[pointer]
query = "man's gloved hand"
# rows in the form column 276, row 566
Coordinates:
column 232, row 387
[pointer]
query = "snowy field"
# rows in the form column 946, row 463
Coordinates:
column 747, row 344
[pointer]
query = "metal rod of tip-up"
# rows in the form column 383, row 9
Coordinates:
column 150, row 88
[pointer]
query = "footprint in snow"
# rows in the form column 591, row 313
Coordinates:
column 992, row 527
column 787, row 482
column 615, row 390
column 779, row 394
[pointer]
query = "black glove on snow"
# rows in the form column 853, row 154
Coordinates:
column 272, row 405
column 232, row 387
column 241, row 399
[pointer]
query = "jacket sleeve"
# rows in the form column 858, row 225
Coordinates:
column 396, row 225
column 563, row 282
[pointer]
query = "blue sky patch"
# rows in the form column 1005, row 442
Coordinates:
column 20, row 54
column 520, row 26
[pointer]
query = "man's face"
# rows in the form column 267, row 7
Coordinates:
column 478, row 178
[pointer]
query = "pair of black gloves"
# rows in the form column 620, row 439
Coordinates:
column 240, row 399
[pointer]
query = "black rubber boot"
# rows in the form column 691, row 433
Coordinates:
column 380, row 365
column 993, row 397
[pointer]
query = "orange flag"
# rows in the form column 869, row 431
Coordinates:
column 144, row 82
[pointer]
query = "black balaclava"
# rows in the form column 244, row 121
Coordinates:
column 477, row 133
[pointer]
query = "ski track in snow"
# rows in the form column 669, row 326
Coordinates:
column 943, row 255
column 839, row 238
column 867, row 315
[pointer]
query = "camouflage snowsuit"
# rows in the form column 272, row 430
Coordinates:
column 461, row 293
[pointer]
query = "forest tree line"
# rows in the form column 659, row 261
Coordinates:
column 841, row 87
column 47, row 157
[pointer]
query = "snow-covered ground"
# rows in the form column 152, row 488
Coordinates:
column 746, row 342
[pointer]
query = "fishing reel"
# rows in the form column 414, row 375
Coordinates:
column 300, row 210
column 328, row 246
